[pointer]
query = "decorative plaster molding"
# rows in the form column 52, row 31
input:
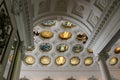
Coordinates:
column 101, row 4
column 78, row 10
column 44, row 6
column 105, row 19
column 61, row 5
column 93, row 18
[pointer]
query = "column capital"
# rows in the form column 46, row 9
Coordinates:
column 102, row 56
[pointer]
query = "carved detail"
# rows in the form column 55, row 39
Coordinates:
column 78, row 10
column 61, row 5
column 101, row 4
column 27, row 19
column 44, row 6
column 107, row 16
column 92, row 19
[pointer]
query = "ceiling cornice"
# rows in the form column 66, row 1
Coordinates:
column 107, row 15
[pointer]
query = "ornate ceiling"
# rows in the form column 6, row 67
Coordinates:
column 85, row 12
column 61, row 48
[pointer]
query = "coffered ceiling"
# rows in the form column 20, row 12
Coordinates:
column 91, row 17
column 86, row 12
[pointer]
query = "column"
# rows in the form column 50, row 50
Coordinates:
column 22, row 9
column 102, row 57
column 17, row 65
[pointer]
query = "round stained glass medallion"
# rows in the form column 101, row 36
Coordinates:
column 113, row 61
column 48, row 23
column 62, row 47
column 88, row 61
column 30, row 60
column 117, row 50
column 46, row 47
column 68, row 24
column 45, row 60
column 77, row 48
column 74, row 61
column 65, row 35
column 60, row 60
column 46, row 34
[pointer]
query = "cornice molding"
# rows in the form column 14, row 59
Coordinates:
column 106, row 18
